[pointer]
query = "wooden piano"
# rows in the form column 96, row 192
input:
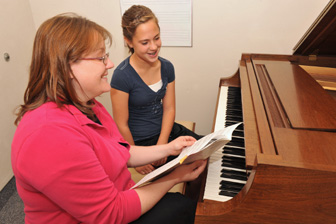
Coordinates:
column 284, row 155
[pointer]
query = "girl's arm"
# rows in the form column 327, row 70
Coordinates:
column 168, row 113
column 119, row 100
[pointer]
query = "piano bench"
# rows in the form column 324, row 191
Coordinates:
column 178, row 187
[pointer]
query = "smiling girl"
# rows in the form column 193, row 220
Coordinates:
column 143, row 86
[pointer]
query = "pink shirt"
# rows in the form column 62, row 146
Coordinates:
column 70, row 169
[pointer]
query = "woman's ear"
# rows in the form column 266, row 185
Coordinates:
column 71, row 75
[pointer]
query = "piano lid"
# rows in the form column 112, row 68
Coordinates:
column 304, row 103
column 320, row 38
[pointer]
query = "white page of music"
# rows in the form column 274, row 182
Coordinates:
column 175, row 19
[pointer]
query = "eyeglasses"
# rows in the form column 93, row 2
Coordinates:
column 103, row 59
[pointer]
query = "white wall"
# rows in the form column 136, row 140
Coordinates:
column 16, row 37
column 222, row 31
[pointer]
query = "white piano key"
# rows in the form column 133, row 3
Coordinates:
column 213, row 180
column 232, row 155
column 237, row 147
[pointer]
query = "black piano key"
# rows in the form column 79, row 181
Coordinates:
column 233, row 99
column 230, row 188
column 235, row 177
column 228, row 123
column 227, row 193
column 233, row 165
column 238, row 152
column 239, row 129
column 238, row 140
column 233, row 102
column 228, row 172
column 238, row 133
column 240, row 173
column 233, row 159
column 234, row 113
column 233, row 107
column 236, row 143
column 233, row 186
column 234, row 151
column 233, row 118
column 239, row 144
column 234, row 89
column 233, row 174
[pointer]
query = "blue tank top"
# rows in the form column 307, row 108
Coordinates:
column 144, row 105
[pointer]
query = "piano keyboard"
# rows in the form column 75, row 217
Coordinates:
column 227, row 170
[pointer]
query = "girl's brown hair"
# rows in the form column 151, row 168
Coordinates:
column 133, row 17
column 59, row 41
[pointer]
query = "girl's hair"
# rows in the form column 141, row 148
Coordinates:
column 60, row 41
column 133, row 17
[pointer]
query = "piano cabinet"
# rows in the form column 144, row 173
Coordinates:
column 288, row 107
column 290, row 151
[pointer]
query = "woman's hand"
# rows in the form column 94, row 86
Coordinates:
column 176, row 146
column 188, row 172
column 143, row 155
column 151, row 193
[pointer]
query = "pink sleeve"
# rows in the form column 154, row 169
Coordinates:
column 70, row 175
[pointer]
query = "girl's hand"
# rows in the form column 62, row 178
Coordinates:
column 160, row 162
column 144, row 169
column 180, row 143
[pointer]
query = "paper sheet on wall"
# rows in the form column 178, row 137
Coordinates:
column 175, row 19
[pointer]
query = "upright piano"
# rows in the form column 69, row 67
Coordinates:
column 280, row 166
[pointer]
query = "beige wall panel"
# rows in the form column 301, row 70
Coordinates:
column 16, row 37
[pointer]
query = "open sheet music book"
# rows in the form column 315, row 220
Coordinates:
column 200, row 150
